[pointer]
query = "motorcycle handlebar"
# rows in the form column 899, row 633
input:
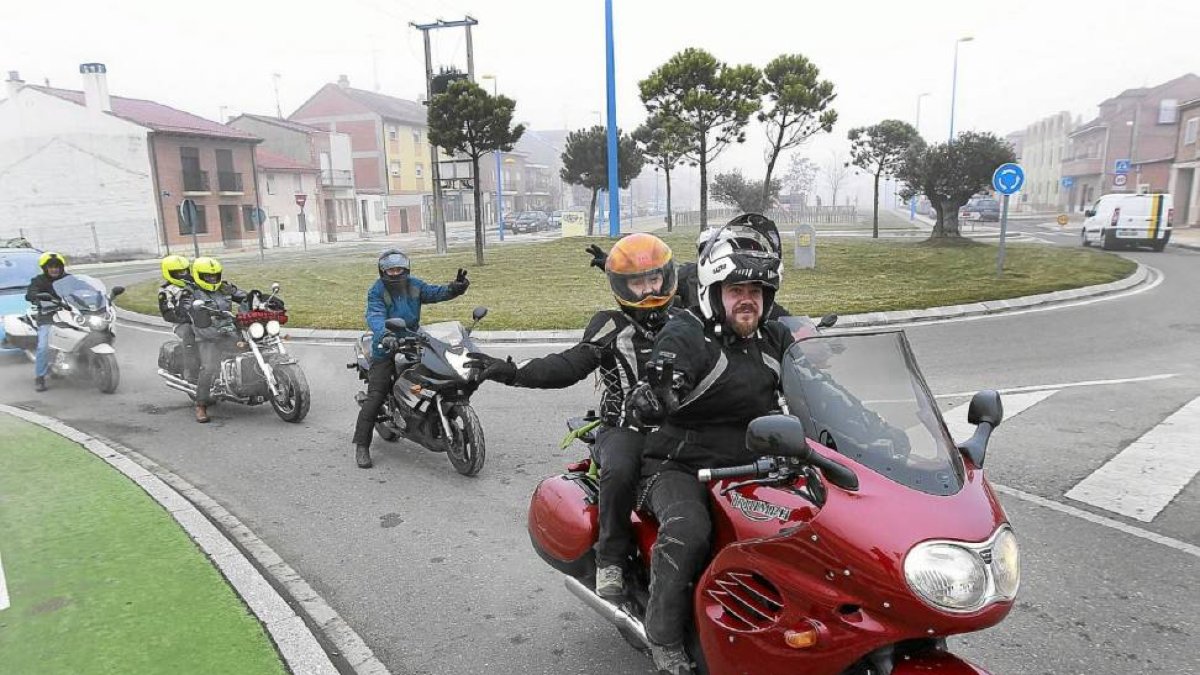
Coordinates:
column 760, row 467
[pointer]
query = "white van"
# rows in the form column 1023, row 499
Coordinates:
column 1129, row 220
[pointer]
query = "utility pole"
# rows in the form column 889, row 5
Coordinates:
column 439, row 216
column 278, row 110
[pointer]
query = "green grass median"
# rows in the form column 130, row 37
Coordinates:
column 549, row 285
column 102, row 580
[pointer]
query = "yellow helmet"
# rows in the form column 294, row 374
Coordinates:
column 175, row 270
column 49, row 258
column 206, row 272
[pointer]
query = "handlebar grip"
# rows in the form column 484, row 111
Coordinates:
column 835, row 472
column 708, row 475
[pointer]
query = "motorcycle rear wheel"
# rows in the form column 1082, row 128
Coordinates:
column 466, row 449
column 105, row 373
column 294, row 398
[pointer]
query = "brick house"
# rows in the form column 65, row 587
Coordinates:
column 390, row 151
column 1185, row 173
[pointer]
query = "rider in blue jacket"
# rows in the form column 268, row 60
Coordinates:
column 395, row 295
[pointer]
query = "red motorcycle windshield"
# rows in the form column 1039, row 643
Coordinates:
column 862, row 396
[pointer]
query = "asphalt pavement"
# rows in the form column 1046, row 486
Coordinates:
column 436, row 573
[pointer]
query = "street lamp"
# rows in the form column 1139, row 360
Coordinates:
column 499, row 192
column 954, row 83
column 919, row 97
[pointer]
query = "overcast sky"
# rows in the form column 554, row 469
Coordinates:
column 1029, row 58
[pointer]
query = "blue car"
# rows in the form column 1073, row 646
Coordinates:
column 17, row 267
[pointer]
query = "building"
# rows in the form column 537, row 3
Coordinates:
column 1185, row 172
column 1130, row 145
column 390, row 152
column 332, row 206
column 1040, row 152
column 88, row 173
column 280, row 180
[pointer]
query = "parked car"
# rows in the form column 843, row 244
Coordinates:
column 983, row 209
column 17, row 267
column 1129, row 220
column 556, row 220
column 531, row 221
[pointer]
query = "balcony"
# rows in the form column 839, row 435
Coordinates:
column 229, row 182
column 1081, row 166
column 196, row 183
column 337, row 178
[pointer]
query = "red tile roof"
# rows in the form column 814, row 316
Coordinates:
column 286, row 124
column 389, row 106
column 276, row 162
column 156, row 116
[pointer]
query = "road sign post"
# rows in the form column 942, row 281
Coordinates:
column 301, row 198
column 189, row 214
column 257, row 216
column 1007, row 180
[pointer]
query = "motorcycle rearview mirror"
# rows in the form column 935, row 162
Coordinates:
column 117, row 290
column 827, row 321
column 985, row 412
column 275, row 288
column 479, row 313
column 396, row 325
column 778, row 435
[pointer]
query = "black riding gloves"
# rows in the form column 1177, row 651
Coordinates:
column 503, row 371
column 599, row 257
column 460, row 283
column 643, row 408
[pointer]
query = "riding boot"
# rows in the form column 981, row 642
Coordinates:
column 39, row 384
column 201, row 413
column 362, row 455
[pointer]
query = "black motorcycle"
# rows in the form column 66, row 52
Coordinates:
column 430, row 403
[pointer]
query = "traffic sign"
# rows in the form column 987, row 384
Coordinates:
column 189, row 213
column 1121, row 166
column 258, row 216
column 1068, row 181
column 1120, row 180
column 300, row 199
column 1008, row 179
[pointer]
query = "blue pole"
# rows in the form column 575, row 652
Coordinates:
column 499, row 198
column 614, row 190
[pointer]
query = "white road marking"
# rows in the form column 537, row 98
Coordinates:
column 1068, row 385
column 1141, row 480
column 3, row 588
column 1014, row 404
column 1181, row 546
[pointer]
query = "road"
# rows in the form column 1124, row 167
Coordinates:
column 435, row 570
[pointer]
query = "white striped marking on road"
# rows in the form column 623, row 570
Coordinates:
column 1014, row 404
column 1143, row 478
column 3, row 588
column 1067, row 385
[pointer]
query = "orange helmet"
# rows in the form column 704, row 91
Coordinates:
column 641, row 271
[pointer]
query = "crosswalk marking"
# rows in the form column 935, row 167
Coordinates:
column 1143, row 478
column 1014, row 404
column 3, row 588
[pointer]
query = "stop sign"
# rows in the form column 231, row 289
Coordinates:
column 300, row 199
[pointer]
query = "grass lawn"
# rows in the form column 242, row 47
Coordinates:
column 102, row 580
column 549, row 285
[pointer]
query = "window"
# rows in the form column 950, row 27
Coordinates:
column 248, row 219
column 416, row 136
column 193, row 177
column 395, row 168
column 392, row 133
column 270, row 183
column 1191, row 130
column 298, row 180
column 420, row 168
column 1168, row 111
column 201, row 222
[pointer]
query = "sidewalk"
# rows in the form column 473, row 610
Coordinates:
column 101, row 578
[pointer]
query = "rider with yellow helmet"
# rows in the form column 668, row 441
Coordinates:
column 54, row 268
column 212, row 301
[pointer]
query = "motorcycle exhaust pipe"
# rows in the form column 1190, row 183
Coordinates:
column 615, row 614
column 177, row 383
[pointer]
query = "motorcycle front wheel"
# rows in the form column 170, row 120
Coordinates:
column 105, row 373
column 292, row 403
column 466, row 448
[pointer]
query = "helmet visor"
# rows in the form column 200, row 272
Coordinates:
column 210, row 278
column 393, row 260
column 645, row 289
column 749, row 232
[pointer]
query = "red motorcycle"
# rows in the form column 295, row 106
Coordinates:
column 856, row 539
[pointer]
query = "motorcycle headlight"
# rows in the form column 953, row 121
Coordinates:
column 97, row 322
column 257, row 330
column 946, row 576
column 272, row 327
column 1006, row 564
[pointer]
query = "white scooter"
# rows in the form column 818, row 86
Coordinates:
column 81, row 340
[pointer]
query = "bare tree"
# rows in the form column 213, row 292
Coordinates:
column 836, row 170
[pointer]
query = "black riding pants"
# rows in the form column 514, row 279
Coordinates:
column 680, row 503
column 211, row 354
column 379, row 382
column 620, row 454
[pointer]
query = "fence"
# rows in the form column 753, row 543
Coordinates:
column 812, row 215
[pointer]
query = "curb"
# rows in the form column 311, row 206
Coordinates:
column 229, row 545
column 1140, row 276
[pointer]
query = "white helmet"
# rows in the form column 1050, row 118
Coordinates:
column 746, row 250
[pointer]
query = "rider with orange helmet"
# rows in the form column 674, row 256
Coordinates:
column 617, row 343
